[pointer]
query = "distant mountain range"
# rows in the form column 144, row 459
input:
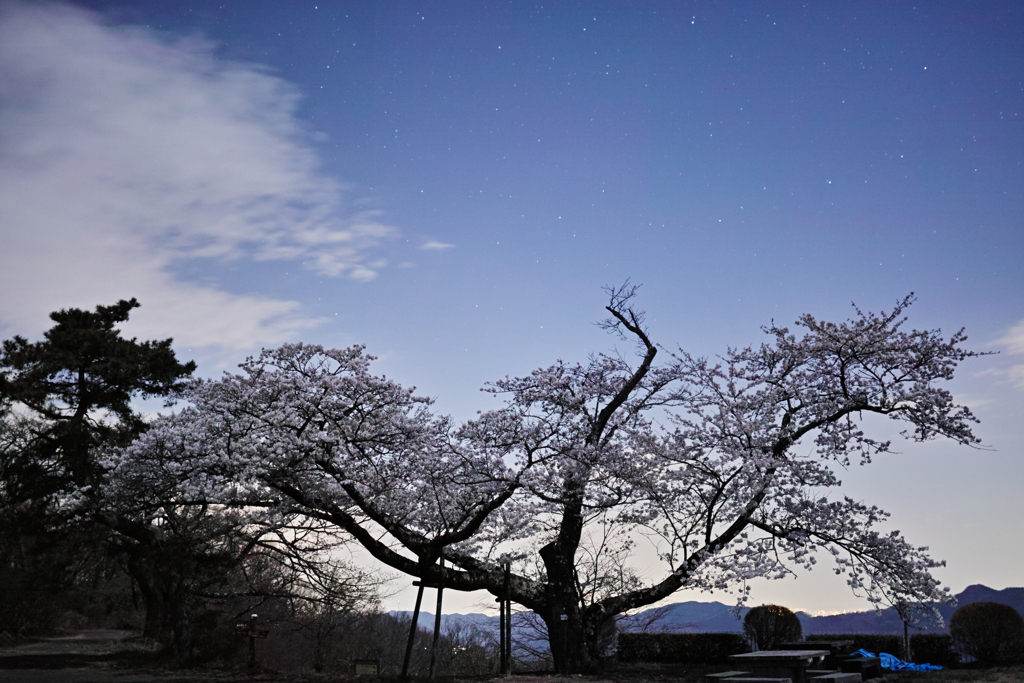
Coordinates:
column 714, row 616
column 887, row 621
column 697, row 617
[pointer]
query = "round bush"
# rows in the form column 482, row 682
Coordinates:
column 768, row 625
column 988, row 632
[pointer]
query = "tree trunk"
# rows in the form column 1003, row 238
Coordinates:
column 181, row 625
column 166, row 600
column 573, row 642
column 156, row 617
column 572, row 638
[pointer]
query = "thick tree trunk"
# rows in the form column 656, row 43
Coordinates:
column 573, row 639
column 156, row 613
column 181, row 625
column 156, row 619
column 166, row 600
column 572, row 642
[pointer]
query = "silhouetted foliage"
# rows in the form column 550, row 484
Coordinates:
column 296, row 644
column 675, row 648
column 768, row 625
column 77, row 386
column 61, row 399
column 988, row 632
column 934, row 648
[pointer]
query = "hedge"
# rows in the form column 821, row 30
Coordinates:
column 674, row 648
column 872, row 642
column 933, row 648
column 715, row 648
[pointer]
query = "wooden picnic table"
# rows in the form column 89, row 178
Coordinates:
column 836, row 648
column 792, row 664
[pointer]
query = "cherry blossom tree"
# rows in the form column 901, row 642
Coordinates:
column 187, row 551
column 728, row 468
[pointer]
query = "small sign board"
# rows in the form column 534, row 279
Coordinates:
column 251, row 628
column 367, row 667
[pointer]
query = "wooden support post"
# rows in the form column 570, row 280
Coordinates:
column 906, row 643
column 412, row 630
column 501, row 632
column 437, row 623
column 508, row 619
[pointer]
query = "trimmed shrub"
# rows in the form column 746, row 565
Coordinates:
column 872, row 642
column 933, row 648
column 768, row 625
column 676, row 648
column 988, row 632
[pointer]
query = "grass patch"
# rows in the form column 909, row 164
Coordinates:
column 996, row 674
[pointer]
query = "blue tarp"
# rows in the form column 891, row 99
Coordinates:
column 892, row 664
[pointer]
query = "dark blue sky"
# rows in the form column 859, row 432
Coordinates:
column 485, row 168
column 748, row 154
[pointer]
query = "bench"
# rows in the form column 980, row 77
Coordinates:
column 867, row 667
column 791, row 664
column 722, row 675
column 836, row 649
column 835, row 677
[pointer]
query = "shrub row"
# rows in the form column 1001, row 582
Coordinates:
column 925, row 648
column 715, row 648
column 674, row 648
column 933, row 648
column 872, row 642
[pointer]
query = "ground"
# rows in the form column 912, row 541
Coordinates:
column 106, row 656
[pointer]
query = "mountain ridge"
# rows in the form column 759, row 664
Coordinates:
column 703, row 617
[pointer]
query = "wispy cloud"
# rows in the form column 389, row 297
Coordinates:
column 1014, row 339
column 437, row 246
column 1014, row 343
column 123, row 153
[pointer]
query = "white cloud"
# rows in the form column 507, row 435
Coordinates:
column 437, row 246
column 1014, row 341
column 123, row 154
column 1017, row 376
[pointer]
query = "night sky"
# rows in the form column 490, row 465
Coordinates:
column 452, row 184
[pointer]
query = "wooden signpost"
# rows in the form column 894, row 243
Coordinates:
column 252, row 629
